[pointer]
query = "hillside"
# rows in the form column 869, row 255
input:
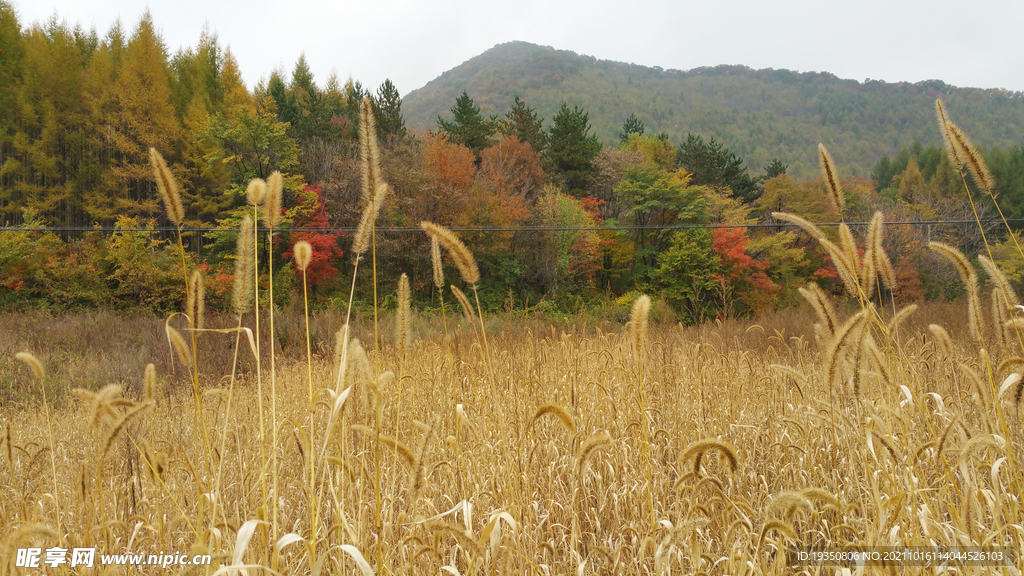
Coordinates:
column 759, row 114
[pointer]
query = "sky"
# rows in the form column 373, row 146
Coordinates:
column 975, row 44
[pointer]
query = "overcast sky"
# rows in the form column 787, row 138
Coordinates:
column 964, row 43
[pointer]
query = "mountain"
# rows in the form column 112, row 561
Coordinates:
column 758, row 114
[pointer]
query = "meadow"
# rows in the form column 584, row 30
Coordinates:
column 402, row 443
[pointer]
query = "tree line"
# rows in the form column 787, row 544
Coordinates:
column 82, row 111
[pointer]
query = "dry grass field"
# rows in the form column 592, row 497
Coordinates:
column 573, row 458
column 455, row 444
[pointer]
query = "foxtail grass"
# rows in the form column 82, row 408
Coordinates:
column 168, row 188
column 272, row 218
column 302, row 252
column 39, row 373
column 638, row 324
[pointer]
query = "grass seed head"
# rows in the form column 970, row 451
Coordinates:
column 822, row 306
column 882, row 264
column 844, row 267
column 33, row 363
column 558, row 412
column 435, row 260
column 806, row 225
column 272, row 200
column 369, row 153
column 115, row 430
column 245, row 254
column 638, row 322
column 975, row 162
column 467, row 308
column 255, row 191
column 970, row 278
column 835, row 187
column 303, row 254
column 149, row 383
column 402, row 336
column 196, row 303
column 847, row 335
column 167, row 186
column 599, row 441
column 177, row 342
column 953, row 149
column 942, row 337
column 999, row 280
column 462, row 255
column 367, row 220
column 698, row 449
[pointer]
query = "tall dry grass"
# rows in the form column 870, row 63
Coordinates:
column 466, row 448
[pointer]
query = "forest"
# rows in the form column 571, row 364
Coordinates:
column 561, row 219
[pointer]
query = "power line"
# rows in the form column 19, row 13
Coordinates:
column 402, row 229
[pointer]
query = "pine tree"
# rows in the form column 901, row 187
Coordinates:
column 521, row 121
column 632, row 125
column 572, row 149
column 284, row 100
column 387, row 107
column 774, row 167
column 468, row 127
column 712, row 164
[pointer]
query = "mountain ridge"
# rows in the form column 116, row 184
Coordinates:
column 757, row 113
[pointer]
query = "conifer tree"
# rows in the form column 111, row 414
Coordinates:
column 572, row 150
column 143, row 118
column 712, row 164
column 468, row 127
column 521, row 121
column 632, row 125
column 302, row 76
column 387, row 108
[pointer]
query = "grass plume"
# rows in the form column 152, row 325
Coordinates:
column 167, row 186
column 460, row 254
column 828, row 171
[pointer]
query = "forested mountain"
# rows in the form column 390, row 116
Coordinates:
column 758, row 114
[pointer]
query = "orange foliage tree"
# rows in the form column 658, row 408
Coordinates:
column 744, row 287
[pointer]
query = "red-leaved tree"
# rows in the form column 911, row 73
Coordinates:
column 745, row 288
column 311, row 213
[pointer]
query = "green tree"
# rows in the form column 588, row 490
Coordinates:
column 774, row 167
column 522, row 122
column 632, row 125
column 712, row 164
column 387, row 107
column 284, row 100
column 302, row 76
column 685, row 275
column 468, row 127
column 657, row 198
column 252, row 143
column 196, row 75
column 572, row 149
